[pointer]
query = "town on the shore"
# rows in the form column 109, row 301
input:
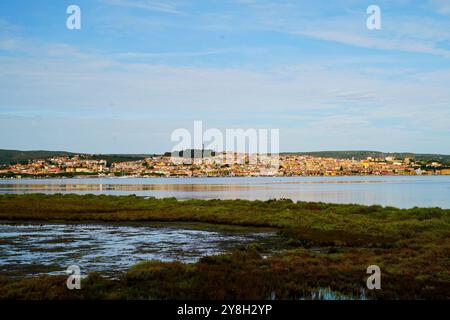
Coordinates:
column 213, row 165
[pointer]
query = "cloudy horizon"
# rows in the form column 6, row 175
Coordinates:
column 137, row 70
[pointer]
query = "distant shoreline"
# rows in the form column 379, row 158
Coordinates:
column 81, row 177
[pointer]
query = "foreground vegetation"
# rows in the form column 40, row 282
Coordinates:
column 326, row 246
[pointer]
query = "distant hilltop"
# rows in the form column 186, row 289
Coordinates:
column 206, row 163
column 361, row 155
column 16, row 156
column 8, row 157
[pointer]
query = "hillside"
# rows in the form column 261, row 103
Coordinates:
column 359, row 155
column 17, row 156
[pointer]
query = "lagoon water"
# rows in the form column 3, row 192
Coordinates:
column 398, row 191
column 33, row 248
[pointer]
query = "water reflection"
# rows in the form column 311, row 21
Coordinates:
column 399, row 191
column 50, row 248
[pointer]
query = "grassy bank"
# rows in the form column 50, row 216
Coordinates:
column 327, row 246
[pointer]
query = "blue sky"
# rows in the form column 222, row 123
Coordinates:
column 139, row 69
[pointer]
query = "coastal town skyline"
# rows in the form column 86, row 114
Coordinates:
column 224, row 164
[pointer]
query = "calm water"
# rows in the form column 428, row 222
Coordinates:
column 398, row 191
column 33, row 249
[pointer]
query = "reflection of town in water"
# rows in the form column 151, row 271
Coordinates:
column 398, row 191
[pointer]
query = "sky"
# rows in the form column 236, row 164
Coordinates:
column 139, row 69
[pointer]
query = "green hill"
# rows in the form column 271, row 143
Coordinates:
column 359, row 155
column 17, row 156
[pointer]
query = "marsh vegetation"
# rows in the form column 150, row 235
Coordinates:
column 325, row 247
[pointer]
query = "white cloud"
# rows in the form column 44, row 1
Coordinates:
column 400, row 32
column 147, row 55
column 441, row 6
column 69, row 79
column 165, row 7
column 398, row 44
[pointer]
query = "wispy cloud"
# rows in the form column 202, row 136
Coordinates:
column 400, row 32
column 395, row 44
column 441, row 6
column 144, row 55
column 11, row 44
column 68, row 78
column 165, row 7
